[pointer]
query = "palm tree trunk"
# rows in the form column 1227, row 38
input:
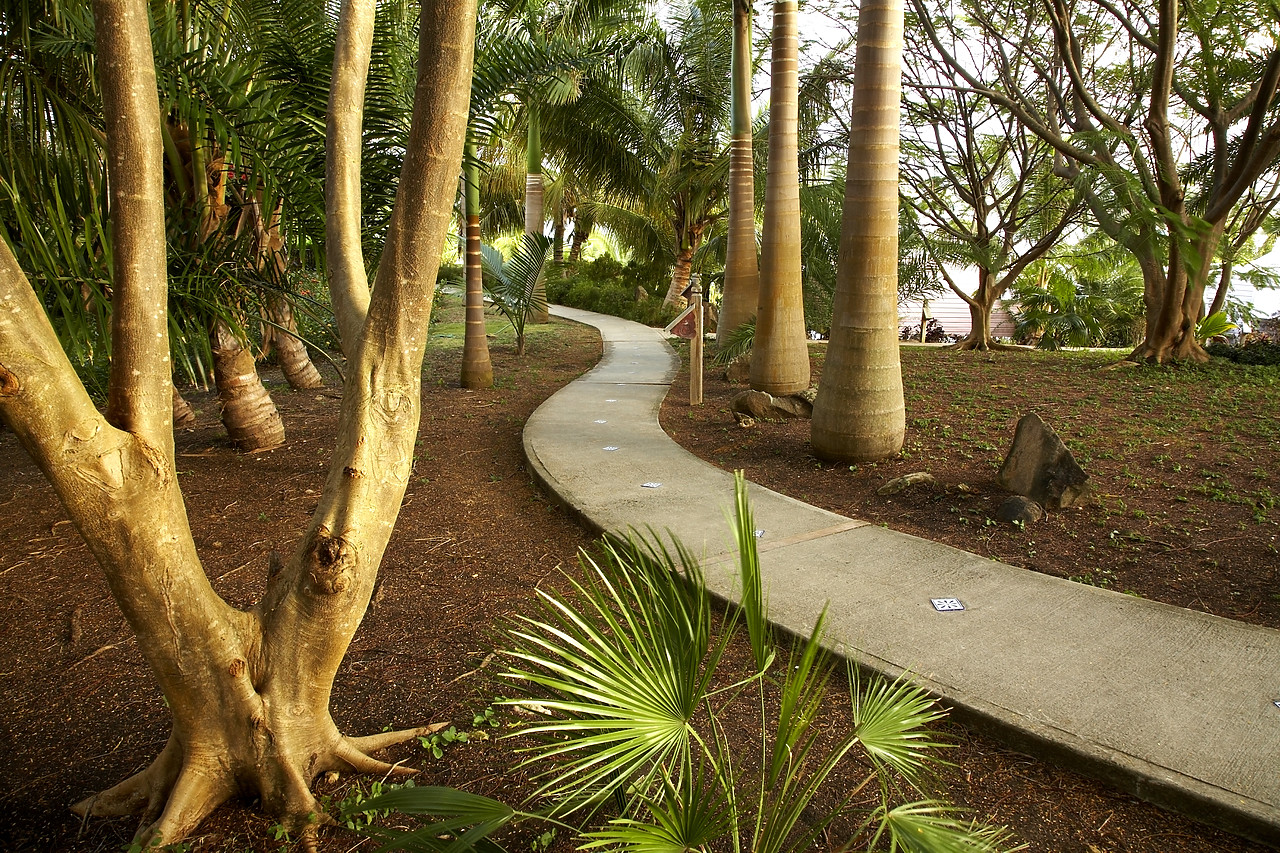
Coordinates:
column 183, row 415
column 534, row 218
column 741, row 272
column 780, row 352
column 477, row 367
column 859, row 415
column 251, row 418
column 680, row 277
column 295, row 362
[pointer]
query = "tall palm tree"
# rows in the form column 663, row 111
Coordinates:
column 741, row 272
column 780, row 353
column 859, row 414
column 477, row 367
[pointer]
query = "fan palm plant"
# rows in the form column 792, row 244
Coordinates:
column 629, row 668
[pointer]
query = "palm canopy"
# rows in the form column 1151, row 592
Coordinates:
column 652, row 138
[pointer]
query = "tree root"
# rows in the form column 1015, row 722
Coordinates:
column 354, row 750
column 382, row 740
column 182, row 787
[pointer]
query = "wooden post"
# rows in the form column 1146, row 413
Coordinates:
column 695, row 345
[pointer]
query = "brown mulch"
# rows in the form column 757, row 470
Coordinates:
column 79, row 709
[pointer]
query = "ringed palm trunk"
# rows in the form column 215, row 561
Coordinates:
column 248, row 690
column 534, row 218
column 252, row 420
column 281, row 335
column 291, row 352
column 477, row 367
column 780, row 352
column 859, row 415
column 741, row 272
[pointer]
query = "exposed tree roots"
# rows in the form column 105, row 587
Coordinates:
column 184, row 785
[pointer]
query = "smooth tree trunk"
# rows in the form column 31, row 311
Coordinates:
column 477, row 367
column 859, row 414
column 780, row 351
column 248, row 689
column 741, row 270
column 344, row 135
column 534, row 217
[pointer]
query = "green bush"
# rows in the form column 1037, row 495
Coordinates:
column 609, row 287
column 1260, row 351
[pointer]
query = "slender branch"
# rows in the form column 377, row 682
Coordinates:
column 348, row 281
column 139, row 397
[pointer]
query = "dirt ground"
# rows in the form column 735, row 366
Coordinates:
column 79, row 709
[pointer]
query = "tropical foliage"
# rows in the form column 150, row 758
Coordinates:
column 631, row 671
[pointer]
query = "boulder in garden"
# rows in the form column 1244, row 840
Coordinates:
column 1039, row 466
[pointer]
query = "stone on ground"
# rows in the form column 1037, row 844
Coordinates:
column 1039, row 466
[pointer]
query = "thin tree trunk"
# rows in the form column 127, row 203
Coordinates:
column 248, row 413
column 859, row 414
column 741, row 294
column 184, row 417
column 581, row 233
column 1224, row 286
column 348, row 280
column 534, row 218
column 680, row 278
column 477, row 367
column 295, row 362
column 780, row 351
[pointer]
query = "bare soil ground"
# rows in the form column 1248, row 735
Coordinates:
column 79, row 709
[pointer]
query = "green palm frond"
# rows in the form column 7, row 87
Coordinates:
column 933, row 827
column 626, row 665
column 687, row 814
column 513, row 284
column 890, row 720
column 466, row 820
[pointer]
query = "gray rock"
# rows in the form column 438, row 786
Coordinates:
column 901, row 484
column 1039, row 466
column 762, row 406
column 1018, row 508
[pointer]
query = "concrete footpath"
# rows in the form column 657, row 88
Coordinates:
column 1178, row 707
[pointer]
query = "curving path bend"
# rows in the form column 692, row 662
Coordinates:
column 1177, row 707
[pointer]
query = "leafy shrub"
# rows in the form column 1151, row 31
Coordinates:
column 608, row 287
column 625, row 670
column 1255, row 351
column 933, row 333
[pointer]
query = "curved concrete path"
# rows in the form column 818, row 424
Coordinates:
column 1175, row 706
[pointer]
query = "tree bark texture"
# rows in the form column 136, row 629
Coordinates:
column 281, row 332
column 741, row 294
column 859, row 414
column 250, row 416
column 348, row 280
column 248, row 690
column 183, row 415
column 780, row 351
column 534, row 216
column 282, row 336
